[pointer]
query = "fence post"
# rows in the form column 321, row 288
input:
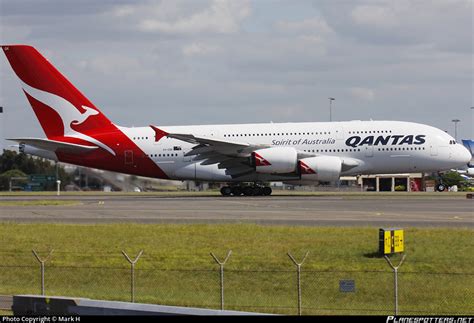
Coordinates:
column 395, row 272
column 298, row 277
column 221, row 265
column 132, row 272
column 42, row 261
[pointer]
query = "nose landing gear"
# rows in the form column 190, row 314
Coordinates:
column 440, row 187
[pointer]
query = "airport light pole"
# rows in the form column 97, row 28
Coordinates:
column 456, row 128
column 330, row 108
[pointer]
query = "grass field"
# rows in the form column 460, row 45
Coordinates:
column 44, row 202
column 176, row 268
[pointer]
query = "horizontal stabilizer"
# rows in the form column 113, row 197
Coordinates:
column 53, row 145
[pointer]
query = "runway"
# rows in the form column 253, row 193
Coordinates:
column 274, row 210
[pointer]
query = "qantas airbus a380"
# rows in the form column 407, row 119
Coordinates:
column 302, row 153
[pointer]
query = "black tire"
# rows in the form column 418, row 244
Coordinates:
column 248, row 191
column 440, row 187
column 236, row 191
column 226, row 191
column 267, row 191
column 257, row 191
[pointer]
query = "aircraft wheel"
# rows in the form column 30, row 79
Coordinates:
column 257, row 191
column 248, row 191
column 236, row 191
column 440, row 187
column 226, row 191
column 267, row 191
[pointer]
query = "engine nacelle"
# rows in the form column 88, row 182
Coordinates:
column 276, row 160
column 321, row 168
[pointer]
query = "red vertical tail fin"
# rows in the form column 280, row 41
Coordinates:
column 61, row 109
column 74, row 126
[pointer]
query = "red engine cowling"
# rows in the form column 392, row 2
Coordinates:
column 276, row 160
column 321, row 168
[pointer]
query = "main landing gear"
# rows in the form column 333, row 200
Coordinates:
column 255, row 190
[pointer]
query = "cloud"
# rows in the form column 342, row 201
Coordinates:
column 123, row 10
column 112, row 64
column 315, row 25
column 447, row 24
column 10, row 34
column 222, row 16
column 206, row 61
column 378, row 16
column 362, row 93
column 199, row 48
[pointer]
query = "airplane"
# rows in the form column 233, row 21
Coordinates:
column 244, row 156
column 467, row 172
column 469, row 144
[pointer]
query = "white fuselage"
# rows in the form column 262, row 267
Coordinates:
column 380, row 147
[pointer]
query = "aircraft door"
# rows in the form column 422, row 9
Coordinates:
column 128, row 157
column 433, row 150
column 339, row 133
column 215, row 133
column 369, row 151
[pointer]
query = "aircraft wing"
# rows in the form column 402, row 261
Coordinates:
column 231, row 155
column 225, row 147
column 55, row 146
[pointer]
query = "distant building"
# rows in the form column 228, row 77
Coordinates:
column 412, row 182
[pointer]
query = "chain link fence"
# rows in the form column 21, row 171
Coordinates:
column 265, row 291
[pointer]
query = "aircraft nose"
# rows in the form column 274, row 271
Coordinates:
column 463, row 156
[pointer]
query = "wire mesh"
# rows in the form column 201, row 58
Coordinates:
column 264, row 291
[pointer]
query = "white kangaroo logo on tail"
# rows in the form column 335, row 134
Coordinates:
column 69, row 114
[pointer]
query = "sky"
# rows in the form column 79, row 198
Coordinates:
column 176, row 62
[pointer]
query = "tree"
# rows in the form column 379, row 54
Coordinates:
column 28, row 165
column 453, row 178
column 6, row 176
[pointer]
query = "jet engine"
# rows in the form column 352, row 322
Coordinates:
column 321, row 168
column 275, row 160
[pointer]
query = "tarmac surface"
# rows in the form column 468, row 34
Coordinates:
column 336, row 210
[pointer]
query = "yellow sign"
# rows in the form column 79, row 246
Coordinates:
column 391, row 241
column 398, row 241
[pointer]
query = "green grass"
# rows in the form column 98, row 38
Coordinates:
column 176, row 268
column 39, row 203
